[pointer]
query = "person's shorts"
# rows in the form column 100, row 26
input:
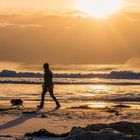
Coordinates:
column 48, row 86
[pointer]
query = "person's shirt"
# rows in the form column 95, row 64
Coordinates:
column 48, row 77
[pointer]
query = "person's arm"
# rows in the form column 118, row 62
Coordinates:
column 45, row 81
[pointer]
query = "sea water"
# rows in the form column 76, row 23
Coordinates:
column 75, row 85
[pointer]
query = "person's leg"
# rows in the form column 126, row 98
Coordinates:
column 54, row 98
column 42, row 97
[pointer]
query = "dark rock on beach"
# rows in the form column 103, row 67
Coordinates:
column 44, row 133
column 121, row 106
column 105, row 134
column 124, row 127
column 113, row 131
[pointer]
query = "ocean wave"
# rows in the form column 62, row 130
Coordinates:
column 111, row 75
column 126, row 99
column 70, row 83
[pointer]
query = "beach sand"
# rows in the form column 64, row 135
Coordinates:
column 16, row 122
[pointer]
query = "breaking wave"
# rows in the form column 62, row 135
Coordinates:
column 111, row 75
column 69, row 81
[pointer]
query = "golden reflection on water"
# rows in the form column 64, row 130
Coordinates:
column 90, row 95
column 98, row 104
column 100, row 88
column 96, row 89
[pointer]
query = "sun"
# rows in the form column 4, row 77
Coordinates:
column 99, row 8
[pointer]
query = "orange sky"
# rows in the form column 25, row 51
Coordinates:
column 56, row 38
column 54, row 4
column 37, row 4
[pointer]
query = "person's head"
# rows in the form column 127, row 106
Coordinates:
column 46, row 66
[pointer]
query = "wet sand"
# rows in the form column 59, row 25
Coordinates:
column 16, row 122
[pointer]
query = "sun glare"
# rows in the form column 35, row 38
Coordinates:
column 100, row 88
column 99, row 8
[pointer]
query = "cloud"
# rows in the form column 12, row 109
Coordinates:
column 61, row 38
column 134, row 61
column 12, row 25
column 3, row 24
column 28, row 25
column 9, row 65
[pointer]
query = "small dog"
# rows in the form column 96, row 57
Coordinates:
column 17, row 102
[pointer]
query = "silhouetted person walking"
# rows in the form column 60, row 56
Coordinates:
column 48, row 85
